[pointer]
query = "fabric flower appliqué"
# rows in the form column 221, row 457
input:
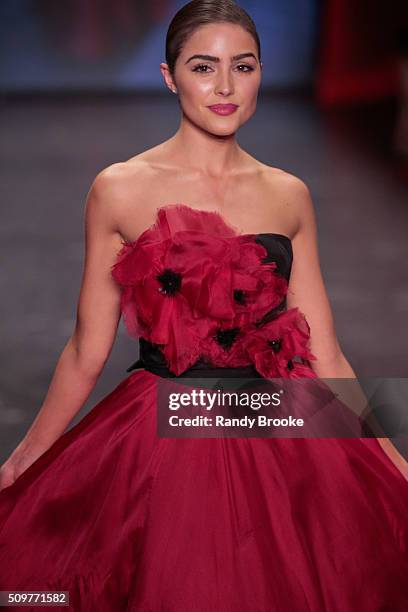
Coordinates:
column 180, row 291
column 276, row 347
column 196, row 295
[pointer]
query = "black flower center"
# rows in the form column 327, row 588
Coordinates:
column 290, row 365
column 170, row 280
column 239, row 296
column 276, row 345
column 226, row 337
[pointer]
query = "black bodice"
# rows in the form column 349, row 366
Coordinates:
column 279, row 249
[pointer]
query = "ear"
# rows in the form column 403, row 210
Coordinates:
column 168, row 79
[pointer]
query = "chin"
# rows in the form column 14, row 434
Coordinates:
column 220, row 131
column 224, row 130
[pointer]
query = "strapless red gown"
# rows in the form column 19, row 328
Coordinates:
column 126, row 520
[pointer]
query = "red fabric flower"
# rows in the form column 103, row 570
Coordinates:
column 256, row 287
column 223, row 347
column 275, row 346
column 157, row 284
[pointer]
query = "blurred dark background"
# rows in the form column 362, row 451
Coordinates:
column 81, row 89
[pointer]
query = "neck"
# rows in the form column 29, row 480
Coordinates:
column 212, row 155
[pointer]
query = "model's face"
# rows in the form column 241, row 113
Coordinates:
column 218, row 65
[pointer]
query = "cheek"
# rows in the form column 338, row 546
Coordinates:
column 194, row 89
column 250, row 88
column 196, row 95
column 202, row 89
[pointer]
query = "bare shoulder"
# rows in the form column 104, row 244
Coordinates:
column 117, row 182
column 293, row 186
column 119, row 190
column 292, row 193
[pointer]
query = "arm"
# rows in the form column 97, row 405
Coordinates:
column 307, row 292
column 98, row 315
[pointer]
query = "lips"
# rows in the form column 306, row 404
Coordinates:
column 223, row 109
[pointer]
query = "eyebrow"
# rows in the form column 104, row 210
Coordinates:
column 213, row 58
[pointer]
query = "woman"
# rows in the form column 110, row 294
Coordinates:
column 123, row 519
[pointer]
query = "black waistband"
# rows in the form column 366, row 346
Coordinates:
column 152, row 359
column 198, row 371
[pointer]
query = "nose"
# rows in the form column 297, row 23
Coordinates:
column 224, row 84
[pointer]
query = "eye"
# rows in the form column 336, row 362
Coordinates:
column 246, row 66
column 199, row 66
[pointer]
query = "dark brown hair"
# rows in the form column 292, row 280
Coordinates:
column 203, row 12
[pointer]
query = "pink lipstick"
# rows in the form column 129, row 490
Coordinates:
column 223, row 109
